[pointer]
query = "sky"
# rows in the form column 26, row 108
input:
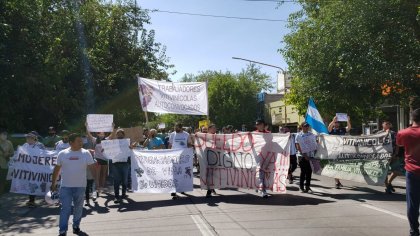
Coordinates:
column 196, row 43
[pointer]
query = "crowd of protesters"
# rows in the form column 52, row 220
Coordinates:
column 84, row 169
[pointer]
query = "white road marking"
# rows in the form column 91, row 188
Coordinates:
column 202, row 225
column 385, row 211
column 320, row 190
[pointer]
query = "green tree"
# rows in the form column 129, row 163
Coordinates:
column 57, row 57
column 352, row 56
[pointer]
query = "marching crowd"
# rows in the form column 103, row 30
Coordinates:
column 82, row 164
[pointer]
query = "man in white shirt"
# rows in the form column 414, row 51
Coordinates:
column 179, row 139
column 72, row 163
column 64, row 142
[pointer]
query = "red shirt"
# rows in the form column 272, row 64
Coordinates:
column 410, row 139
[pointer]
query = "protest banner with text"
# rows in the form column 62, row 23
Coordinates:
column 177, row 98
column 362, row 159
column 32, row 170
column 243, row 160
column 117, row 150
column 99, row 122
column 162, row 171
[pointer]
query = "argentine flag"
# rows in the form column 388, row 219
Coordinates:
column 314, row 119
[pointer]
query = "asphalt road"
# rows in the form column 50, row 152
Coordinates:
column 357, row 209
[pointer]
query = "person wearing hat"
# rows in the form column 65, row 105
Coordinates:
column 6, row 151
column 302, row 139
column 64, row 142
column 52, row 138
column 32, row 142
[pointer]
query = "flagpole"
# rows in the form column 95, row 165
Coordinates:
column 147, row 119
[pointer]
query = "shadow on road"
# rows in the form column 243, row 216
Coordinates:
column 248, row 199
column 363, row 194
column 36, row 218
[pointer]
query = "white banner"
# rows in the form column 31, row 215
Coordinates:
column 117, row 150
column 162, row 171
column 309, row 143
column 99, row 122
column 362, row 159
column 169, row 97
column 32, row 171
column 243, row 160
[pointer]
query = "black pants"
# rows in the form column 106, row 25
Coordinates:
column 305, row 172
column 89, row 188
column 293, row 164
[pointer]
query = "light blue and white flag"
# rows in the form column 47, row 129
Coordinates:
column 314, row 119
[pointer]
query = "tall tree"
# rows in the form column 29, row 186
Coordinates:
column 354, row 55
column 57, row 57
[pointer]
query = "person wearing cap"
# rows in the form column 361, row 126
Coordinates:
column 302, row 138
column 6, row 151
column 51, row 139
column 32, row 142
column 335, row 129
column 64, row 142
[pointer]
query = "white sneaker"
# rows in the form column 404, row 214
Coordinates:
column 263, row 193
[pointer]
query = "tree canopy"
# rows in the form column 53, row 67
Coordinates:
column 353, row 56
column 60, row 60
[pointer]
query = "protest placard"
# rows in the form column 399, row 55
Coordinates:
column 308, row 143
column 135, row 134
column 168, row 97
column 162, row 171
column 99, row 122
column 341, row 117
column 243, row 160
column 117, row 150
column 362, row 159
column 203, row 123
column 32, row 170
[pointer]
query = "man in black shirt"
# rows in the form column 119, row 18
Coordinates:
column 335, row 129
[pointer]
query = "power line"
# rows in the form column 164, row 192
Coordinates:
column 215, row 16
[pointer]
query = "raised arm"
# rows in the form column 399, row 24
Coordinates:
column 331, row 125
column 348, row 128
column 90, row 136
column 113, row 133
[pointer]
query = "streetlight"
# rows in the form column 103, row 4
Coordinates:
column 284, row 78
column 256, row 62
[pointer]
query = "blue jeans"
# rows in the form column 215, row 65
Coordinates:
column 67, row 196
column 413, row 199
column 120, row 172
